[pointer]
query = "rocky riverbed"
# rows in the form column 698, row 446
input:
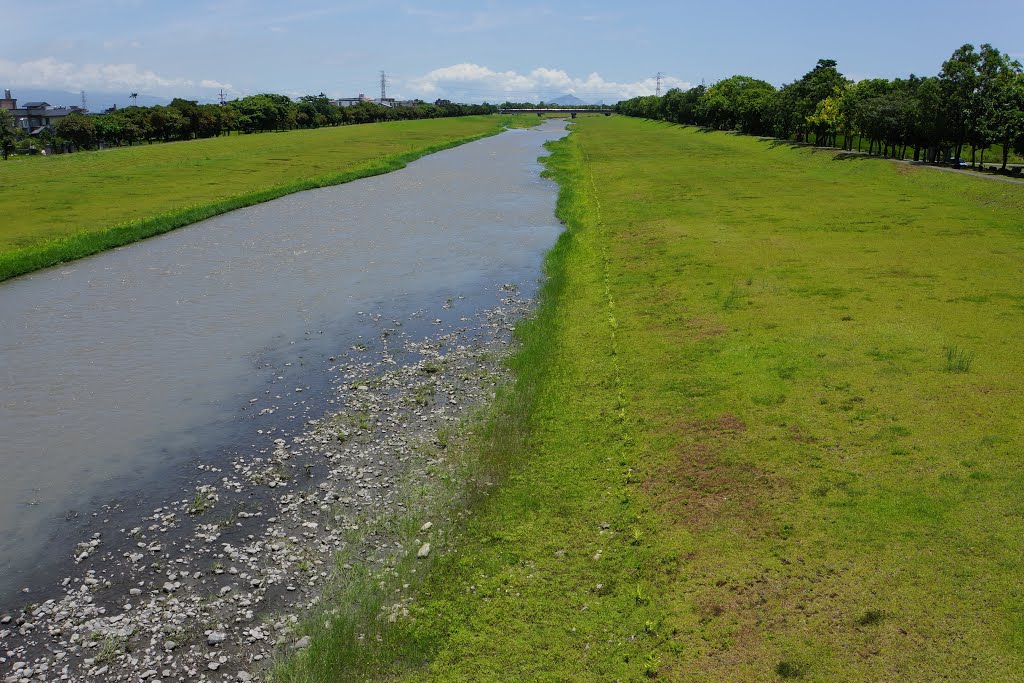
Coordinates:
column 215, row 585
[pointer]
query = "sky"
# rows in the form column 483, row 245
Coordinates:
column 520, row 50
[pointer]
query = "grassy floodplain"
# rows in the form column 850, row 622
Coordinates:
column 768, row 426
column 64, row 207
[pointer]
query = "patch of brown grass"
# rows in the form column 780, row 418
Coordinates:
column 702, row 486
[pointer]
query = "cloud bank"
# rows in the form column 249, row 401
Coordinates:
column 476, row 82
column 52, row 73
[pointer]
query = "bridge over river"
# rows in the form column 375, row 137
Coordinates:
column 540, row 111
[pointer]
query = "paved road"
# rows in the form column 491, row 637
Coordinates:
column 1001, row 178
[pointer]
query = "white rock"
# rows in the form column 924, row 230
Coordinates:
column 216, row 637
column 423, row 551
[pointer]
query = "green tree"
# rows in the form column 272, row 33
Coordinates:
column 108, row 128
column 999, row 109
column 77, row 129
column 797, row 102
column 8, row 133
column 737, row 103
column 959, row 82
column 829, row 118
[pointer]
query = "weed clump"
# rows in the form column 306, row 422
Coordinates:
column 788, row 669
column 958, row 359
column 872, row 617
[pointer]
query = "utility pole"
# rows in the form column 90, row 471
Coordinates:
column 383, row 87
column 657, row 78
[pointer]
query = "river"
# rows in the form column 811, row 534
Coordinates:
column 119, row 370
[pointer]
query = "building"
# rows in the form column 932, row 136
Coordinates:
column 35, row 117
column 352, row 101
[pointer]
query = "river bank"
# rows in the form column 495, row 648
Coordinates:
column 211, row 586
column 210, row 357
column 217, row 313
column 777, row 431
column 174, row 185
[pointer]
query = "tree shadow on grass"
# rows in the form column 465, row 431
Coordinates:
column 856, row 156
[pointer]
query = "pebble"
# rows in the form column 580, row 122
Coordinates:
column 273, row 520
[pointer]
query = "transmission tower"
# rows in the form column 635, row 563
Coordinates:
column 221, row 94
column 383, row 86
column 84, row 108
column 657, row 78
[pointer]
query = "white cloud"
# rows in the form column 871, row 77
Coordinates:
column 473, row 81
column 121, row 44
column 52, row 73
column 217, row 85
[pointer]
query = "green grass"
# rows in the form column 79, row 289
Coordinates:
column 64, row 207
column 767, row 426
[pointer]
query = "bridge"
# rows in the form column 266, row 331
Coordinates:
column 557, row 110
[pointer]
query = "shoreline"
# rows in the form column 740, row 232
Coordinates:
column 211, row 585
column 26, row 260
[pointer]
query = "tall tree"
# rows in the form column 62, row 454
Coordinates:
column 77, row 129
column 999, row 111
column 8, row 133
column 738, row 103
column 815, row 86
column 959, row 82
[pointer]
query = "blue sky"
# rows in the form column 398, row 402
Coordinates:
column 474, row 51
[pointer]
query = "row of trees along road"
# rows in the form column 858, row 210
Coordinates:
column 977, row 100
column 187, row 119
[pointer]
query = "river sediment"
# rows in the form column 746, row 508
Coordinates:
column 208, row 587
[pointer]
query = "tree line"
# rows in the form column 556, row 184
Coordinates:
column 187, row 119
column 977, row 100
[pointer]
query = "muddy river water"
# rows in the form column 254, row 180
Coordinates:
column 117, row 370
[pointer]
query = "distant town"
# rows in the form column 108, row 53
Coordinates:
column 39, row 127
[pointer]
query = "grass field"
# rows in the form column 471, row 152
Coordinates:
column 768, row 426
column 63, row 207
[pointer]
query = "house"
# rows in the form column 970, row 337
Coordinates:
column 351, row 101
column 35, row 117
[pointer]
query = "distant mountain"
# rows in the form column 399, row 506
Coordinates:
column 568, row 100
column 96, row 101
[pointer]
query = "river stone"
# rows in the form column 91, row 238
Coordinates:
column 216, row 637
column 424, row 550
